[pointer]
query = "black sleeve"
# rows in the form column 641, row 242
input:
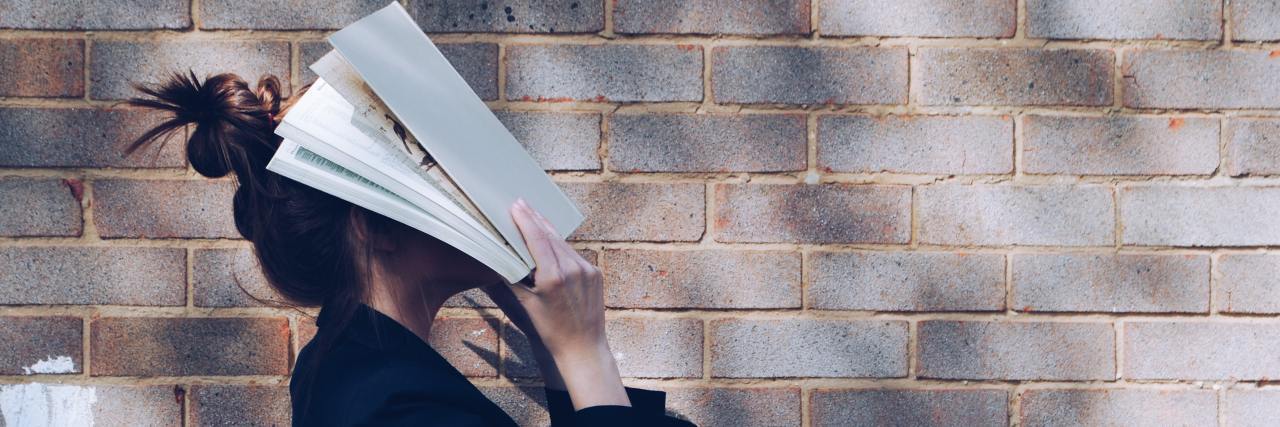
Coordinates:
column 648, row 408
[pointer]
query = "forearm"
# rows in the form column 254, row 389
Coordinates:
column 591, row 377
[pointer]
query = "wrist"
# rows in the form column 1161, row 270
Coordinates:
column 590, row 373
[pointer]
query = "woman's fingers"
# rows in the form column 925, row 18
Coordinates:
column 536, row 238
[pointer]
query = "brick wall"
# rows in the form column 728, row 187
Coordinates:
column 812, row 212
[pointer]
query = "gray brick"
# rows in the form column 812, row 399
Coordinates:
column 139, row 406
column 827, row 213
column 1120, row 145
column 915, row 144
column 478, row 65
column 1199, row 350
column 809, row 75
column 604, row 73
column 42, row 67
column 701, row 279
column 643, row 348
column 39, row 207
column 1158, row 78
column 711, row 17
column 58, row 137
column 283, row 14
column 95, row 15
column 909, row 407
column 1015, row 76
column 1248, row 283
column 1015, row 215
column 1103, row 19
column 224, row 405
column 97, row 275
column 1255, row 20
column 918, row 18
column 632, row 211
column 1115, row 283
column 1253, row 147
column 41, row 345
column 154, row 346
column 114, row 64
column 557, row 141
column 1200, row 216
column 786, row 348
column 220, row 278
column 657, row 142
column 906, row 281
column 164, row 209
column 479, row 16
column 1111, row 406
column 975, row 350
column 526, row 405
column 733, row 407
column 1248, row 408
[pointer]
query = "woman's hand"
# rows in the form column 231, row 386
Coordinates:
column 566, row 308
column 505, row 299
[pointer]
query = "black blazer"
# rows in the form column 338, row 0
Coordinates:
column 377, row 372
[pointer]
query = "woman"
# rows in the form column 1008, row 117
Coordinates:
column 380, row 284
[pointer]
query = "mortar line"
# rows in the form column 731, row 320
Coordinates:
column 189, row 275
column 806, row 407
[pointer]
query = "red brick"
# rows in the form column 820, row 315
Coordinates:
column 1253, row 147
column 604, row 73
column 918, row 18
column 827, row 213
column 701, row 279
column 1200, row 79
column 221, row 278
column 40, row 207
column 1200, row 216
column 915, row 144
column 786, row 348
column 909, row 407
column 42, row 67
column 1104, row 19
column 1115, row 283
column 976, row 350
column 809, row 75
column 657, row 142
column 469, row 344
column 1255, row 20
column 1120, row 145
column 1109, row 406
column 1014, row 215
column 733, row 407
column 283, row 14
column 1251, row 407
column 1201, row 350
column 1248, row 283
column 1014, row 76
column 481, row 16
column 58, row 137
column 222, row 405
column 93, row 275
column 153, row 346
column 906, row 281
column 711, row 17
column 41, row 345
column 164, row 209
column 91, row 15
column 643, row 348
column 113, row 65
column 644, row 212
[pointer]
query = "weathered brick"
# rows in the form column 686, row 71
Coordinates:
column 643, row 348
column 45, row 404
column 164, row 209
column 1119, row 145
column 828, row 213
column 1116, row 283
column 809, row 75
column 1015, row 215
column 1200, row 216
column 659, row 142
column 742, row 348
column 153, row 346
column 39, row 207
column 58, row 137
column 975, row 350
column 557, row 141
column 42, row 67
column 41, row 345
column 1248, row 283
column 1015, row 76
column 906, row 281
column 915, row 144
column 701, row 279
column 918, row 18
column 1160, row 78
column 711, row 17
column 604, row 73
column 645, row 212
column 1251, row 408
column 526, row 405
column 909, row 407
column 221, row 278
column 1199, row 350
column 1110, row 406
column 283, row 14
column 1103, row 19
column 477, row 16
column 97, row 275
column 1253, row 147
column 93, row 15
column 733, row 407
column 113, row 65
column 225, row 405
column 1255, row 20
column 469, row 344
column 140, row 406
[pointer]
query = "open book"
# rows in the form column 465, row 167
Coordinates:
column 389, row 125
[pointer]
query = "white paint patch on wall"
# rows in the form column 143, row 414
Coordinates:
column 52, row 365
column 40, row 405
